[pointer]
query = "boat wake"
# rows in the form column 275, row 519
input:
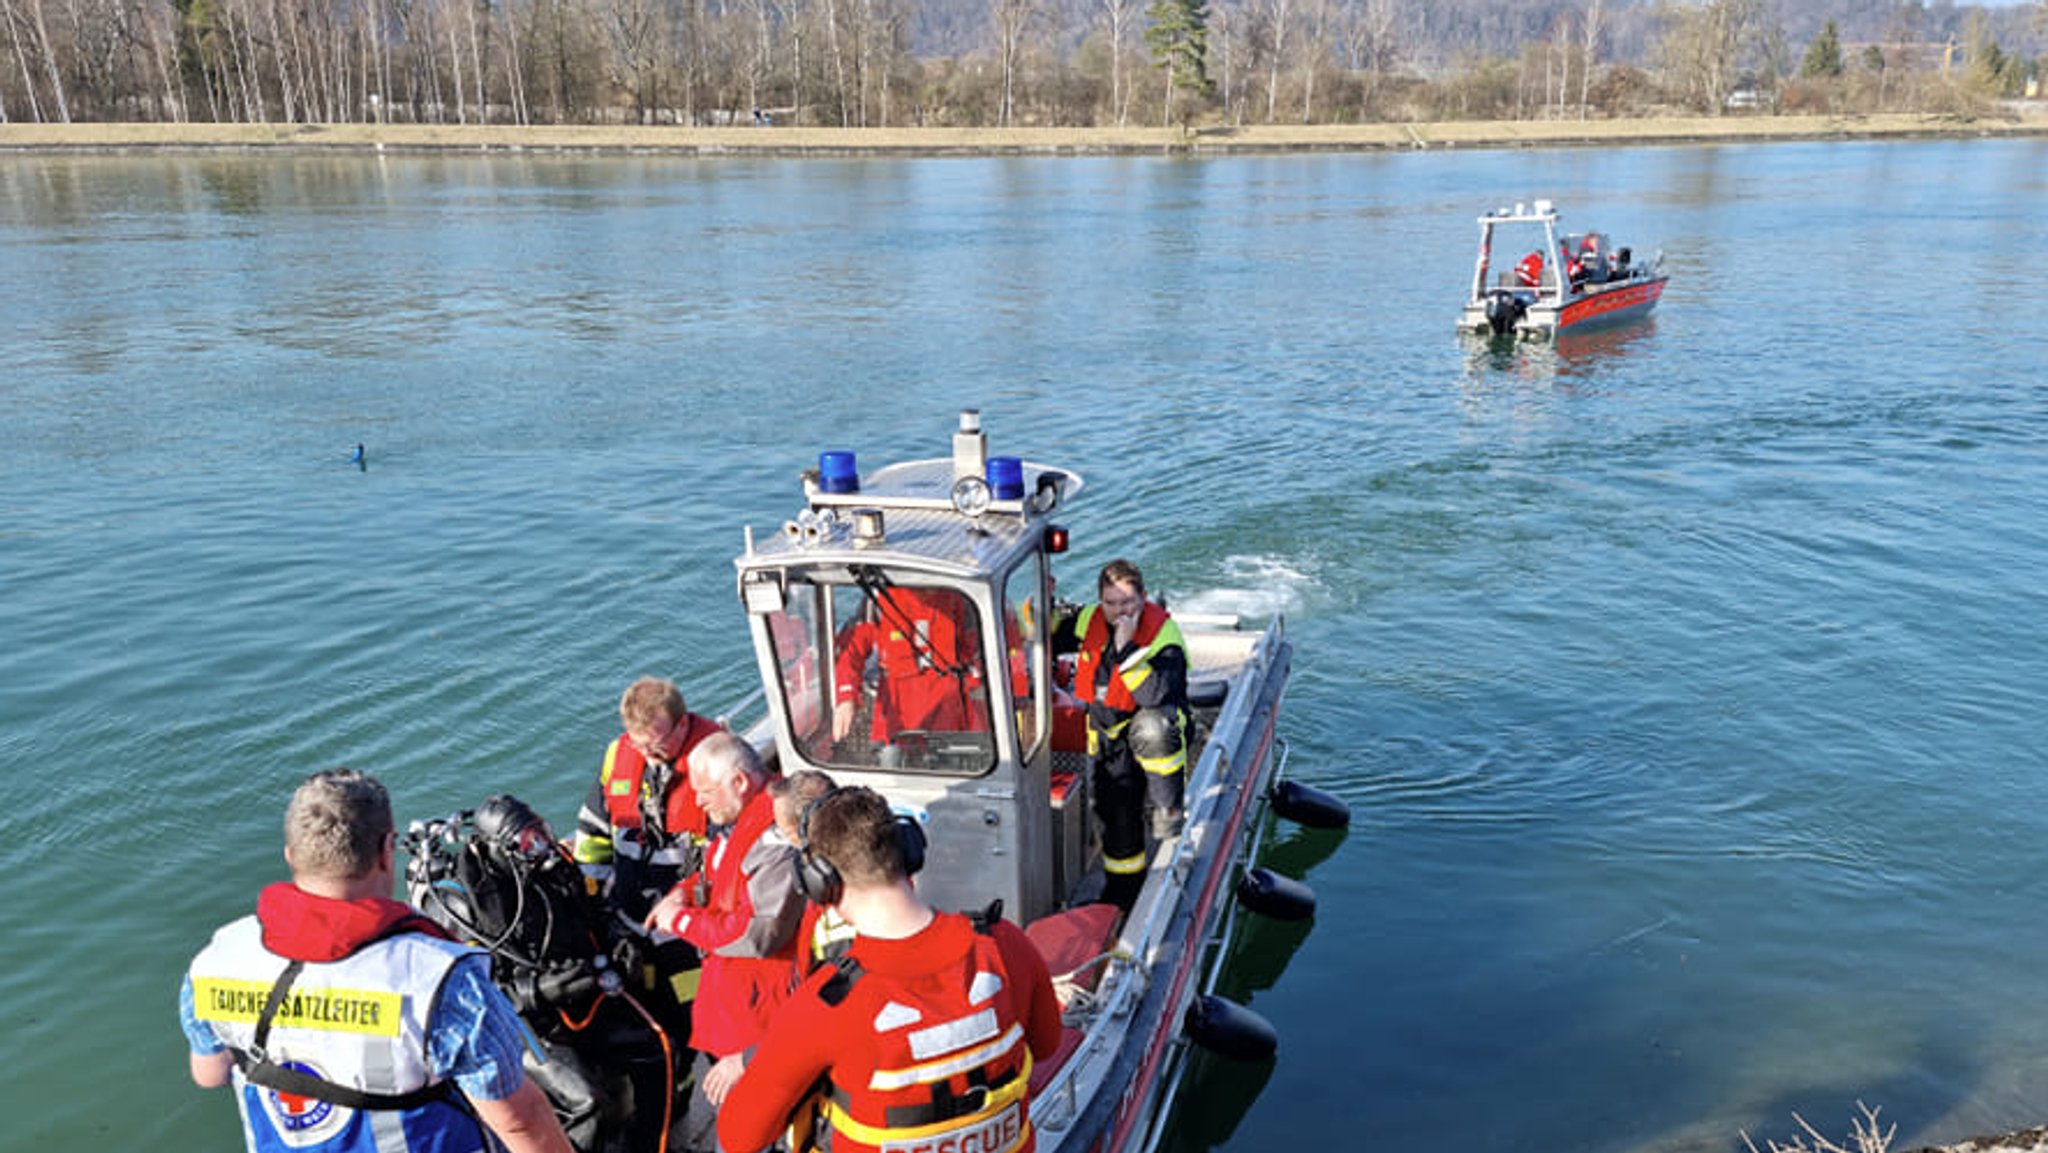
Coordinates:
column 1254, row 587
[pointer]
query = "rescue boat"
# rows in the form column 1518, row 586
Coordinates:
column 1566, row 282
column 1004, row 795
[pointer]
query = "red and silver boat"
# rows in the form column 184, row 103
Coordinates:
column 1562, row 282
column 954, row 554
column 1004, row 797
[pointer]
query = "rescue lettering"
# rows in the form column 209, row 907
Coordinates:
column 334, row 1010
column 998, row 1134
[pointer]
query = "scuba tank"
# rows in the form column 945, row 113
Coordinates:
column 496, row 877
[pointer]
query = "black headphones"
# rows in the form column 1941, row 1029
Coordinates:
column 818, row 879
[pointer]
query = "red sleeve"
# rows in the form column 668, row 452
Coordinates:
column 796, row 1050
column 854, row 645
column 1031, row 985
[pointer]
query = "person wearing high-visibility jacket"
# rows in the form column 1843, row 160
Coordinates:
column 346, row 1021
column 1131, row 673
column 641, row 830
column 923, row 1033
column 923, row 644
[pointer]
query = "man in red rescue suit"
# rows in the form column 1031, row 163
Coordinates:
column 740, row 910
column 925, row 645
column 924, row 1031
column 1131, row 673
column 345, row 1020
column 640, row 830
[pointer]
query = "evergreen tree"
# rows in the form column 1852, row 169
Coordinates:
column 1179, row 39
column 1824, row 55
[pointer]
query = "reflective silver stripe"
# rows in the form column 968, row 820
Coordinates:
column 985, row 985
column 967, row 1062
column 949, row 1036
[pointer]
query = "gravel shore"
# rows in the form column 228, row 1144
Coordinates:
column 1021, row 141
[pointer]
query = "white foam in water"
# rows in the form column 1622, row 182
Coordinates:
column 1255, row 587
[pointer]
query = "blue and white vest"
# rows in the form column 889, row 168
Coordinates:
column 360, row 1022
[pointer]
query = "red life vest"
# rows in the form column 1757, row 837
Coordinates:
column 1152, row 634
column 951, row 1066
column 625, row 768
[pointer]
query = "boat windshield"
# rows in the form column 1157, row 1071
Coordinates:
column 882, row 673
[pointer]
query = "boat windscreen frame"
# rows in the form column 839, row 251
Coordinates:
column 918, row 644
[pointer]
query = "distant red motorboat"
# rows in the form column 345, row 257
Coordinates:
column 1564, row 283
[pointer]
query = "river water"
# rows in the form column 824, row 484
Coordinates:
column 1685, row 682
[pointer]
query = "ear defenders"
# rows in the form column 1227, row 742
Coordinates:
column 818, row 879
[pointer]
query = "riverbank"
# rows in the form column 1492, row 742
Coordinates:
column 1019, row 141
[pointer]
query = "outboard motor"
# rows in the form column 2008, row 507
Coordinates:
column 1503, row 310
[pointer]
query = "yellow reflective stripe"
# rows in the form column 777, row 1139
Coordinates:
column 592, row 850
column 1124, row 865
column 874, row 1135
column 946, row 1067
column 617, row 788
column 330, row 1010
column 1165, row 766
column 1133, row 677
column 684, row 985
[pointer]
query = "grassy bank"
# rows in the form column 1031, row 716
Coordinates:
column 985, row 141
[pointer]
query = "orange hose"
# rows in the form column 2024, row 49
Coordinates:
column 668, row 1058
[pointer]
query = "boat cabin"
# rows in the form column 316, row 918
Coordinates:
column 900, row 624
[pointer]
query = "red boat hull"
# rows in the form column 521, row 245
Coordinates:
column 1612, row 305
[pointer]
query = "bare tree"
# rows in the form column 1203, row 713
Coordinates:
column 1272, row 18
column 1557, row 61
column 1592, row 31
column 38, row 28
column 1117, row 18
column 1010, row 18
column 1704, row 49
column 1371, row 42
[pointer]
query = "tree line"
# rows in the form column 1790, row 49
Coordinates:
column 892, row 63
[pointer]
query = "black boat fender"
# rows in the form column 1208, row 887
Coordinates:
column 1269, row 894
column 1228, row 1029
column 1310, row 806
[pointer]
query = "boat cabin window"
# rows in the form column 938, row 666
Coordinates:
column 882, row 674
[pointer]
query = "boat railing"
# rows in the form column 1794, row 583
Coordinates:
column 1212, row 945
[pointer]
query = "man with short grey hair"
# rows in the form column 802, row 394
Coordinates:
column 741, row 911
column 346, row 1019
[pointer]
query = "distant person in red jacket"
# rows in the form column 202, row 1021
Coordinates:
column 923, row 645
column 924, row 1032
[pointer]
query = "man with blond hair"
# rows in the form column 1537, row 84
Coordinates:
column 640, row 830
